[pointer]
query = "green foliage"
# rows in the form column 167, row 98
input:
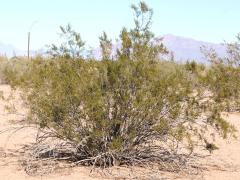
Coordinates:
column 12, row 70
column 3, row 64
column 139, row 42
column 126, row 43
column 71, row 47
column 116, row 107
column 210, row 146
column 191, row 66
column 128, row 107
column 233, row 50
column 106, row 46
column 222, row 77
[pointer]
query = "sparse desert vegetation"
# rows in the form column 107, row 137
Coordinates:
column 135, row 109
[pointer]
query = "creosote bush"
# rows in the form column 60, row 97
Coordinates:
column 12, row 70
column 3, row 63
column 222, row 77
column 119, row 112
column 135, row 109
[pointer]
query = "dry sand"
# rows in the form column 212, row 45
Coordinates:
column 223, row 164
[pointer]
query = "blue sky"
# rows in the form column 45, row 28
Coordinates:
column 207, row 20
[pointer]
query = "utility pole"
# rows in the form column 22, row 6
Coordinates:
column 28, row 44
column 29, row 37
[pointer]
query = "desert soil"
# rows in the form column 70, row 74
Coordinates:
column 223, row 164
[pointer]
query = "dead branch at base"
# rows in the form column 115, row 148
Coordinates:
column 43, row 159
column 50, row 154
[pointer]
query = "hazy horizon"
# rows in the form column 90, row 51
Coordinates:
column 213, row 21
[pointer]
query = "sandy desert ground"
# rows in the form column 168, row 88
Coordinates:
column 223, row 164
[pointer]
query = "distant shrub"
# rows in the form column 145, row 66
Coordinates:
column 223, row 75
column 14, row 70
column 3, row 64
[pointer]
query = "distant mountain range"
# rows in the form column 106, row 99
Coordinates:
column 183, row 49
column 9, row 50
column 189, row 49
